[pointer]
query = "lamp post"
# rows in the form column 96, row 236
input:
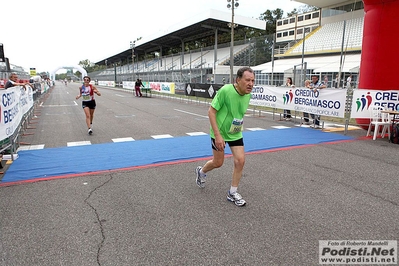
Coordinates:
column 132, row 46
column 234, row 4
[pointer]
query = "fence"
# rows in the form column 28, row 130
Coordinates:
column 17, row 111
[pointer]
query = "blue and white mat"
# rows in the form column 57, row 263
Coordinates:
column 45, row 164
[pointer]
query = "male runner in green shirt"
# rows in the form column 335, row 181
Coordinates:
column 226, row 116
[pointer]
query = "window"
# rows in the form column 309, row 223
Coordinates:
column 279, row 35
column 299, row 31
column 285, row 22
column 315, row 15
column 279, row 23
column 292, row 20
column 285, row 34
column 300, row 18
column 292, row 32
column 308, row 16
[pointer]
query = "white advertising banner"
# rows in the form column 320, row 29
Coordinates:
column 128, row 85
column 106, row 83
column 363, row 99
column 163, row 87
column 326, row 102
column 15, row 102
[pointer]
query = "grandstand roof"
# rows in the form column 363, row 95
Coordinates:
column 319, row 64
column 197, row 27
column 324, row 3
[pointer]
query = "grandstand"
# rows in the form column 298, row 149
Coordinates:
column 327, row 42
column 212, row 63
column 329, row 38
column 332, row 45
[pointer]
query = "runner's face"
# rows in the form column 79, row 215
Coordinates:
column 86, row 81
column 246, row 83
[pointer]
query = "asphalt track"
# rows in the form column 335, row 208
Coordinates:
column 156, row 215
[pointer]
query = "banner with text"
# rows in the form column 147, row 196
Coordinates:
column 327, row 102
column 15, row 102
column 163, row 87
column 363, row 99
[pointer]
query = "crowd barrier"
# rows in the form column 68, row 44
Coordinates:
column 16, row 108
column 329, row 102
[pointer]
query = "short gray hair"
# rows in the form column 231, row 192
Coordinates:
column 240, row 72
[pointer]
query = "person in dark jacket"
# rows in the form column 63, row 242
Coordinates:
column 137, row 85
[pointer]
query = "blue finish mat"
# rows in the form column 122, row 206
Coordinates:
column 67, row 161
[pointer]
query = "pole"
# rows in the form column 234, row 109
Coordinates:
column 132, row 45
column 342, row 56
column 272, row 78
column 232, row 42
column 303, row 73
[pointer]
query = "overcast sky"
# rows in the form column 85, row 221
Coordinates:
column 47, row 34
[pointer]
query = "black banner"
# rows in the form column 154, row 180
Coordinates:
column 202, row 90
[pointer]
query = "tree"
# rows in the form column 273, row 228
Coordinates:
column 271, row 17
column 85, row 64
column 302, row 9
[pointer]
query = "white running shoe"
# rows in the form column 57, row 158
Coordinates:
column 200, row 180
column 236, row 198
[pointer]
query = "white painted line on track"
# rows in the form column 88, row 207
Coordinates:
column 280, row 127
column 31, row 147
column 78, row 143
column 203, row 116
column 165, row 136
column 123, row 139
column 196, row 133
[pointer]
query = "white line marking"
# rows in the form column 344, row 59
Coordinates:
column 123, row 139
column 78, row 143
column 280, row 127
column 255, row 128
column 165, row 136
column 191, row 113
column 61, row 105
column 196, row 133
column 31, row 147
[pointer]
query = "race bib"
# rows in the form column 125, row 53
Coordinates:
column 236, row 126
column 86, row 97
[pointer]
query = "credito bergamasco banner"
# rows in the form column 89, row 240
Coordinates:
column 363, row 99
column 15, row 102
column 326, row 102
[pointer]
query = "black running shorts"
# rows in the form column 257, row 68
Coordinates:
column 238, row 142
column 91, row 104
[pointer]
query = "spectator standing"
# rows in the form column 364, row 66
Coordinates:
column 306, row 115
column 287, row 113
column 13, row 81
column 137, row 85
column 316, row 86
column 326, row 80
column 226, row 116
column 336, row 81
column 349, row 82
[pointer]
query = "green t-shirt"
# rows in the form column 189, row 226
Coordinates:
column 231, row 108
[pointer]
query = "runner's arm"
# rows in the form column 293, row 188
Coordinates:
column 96, row 91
